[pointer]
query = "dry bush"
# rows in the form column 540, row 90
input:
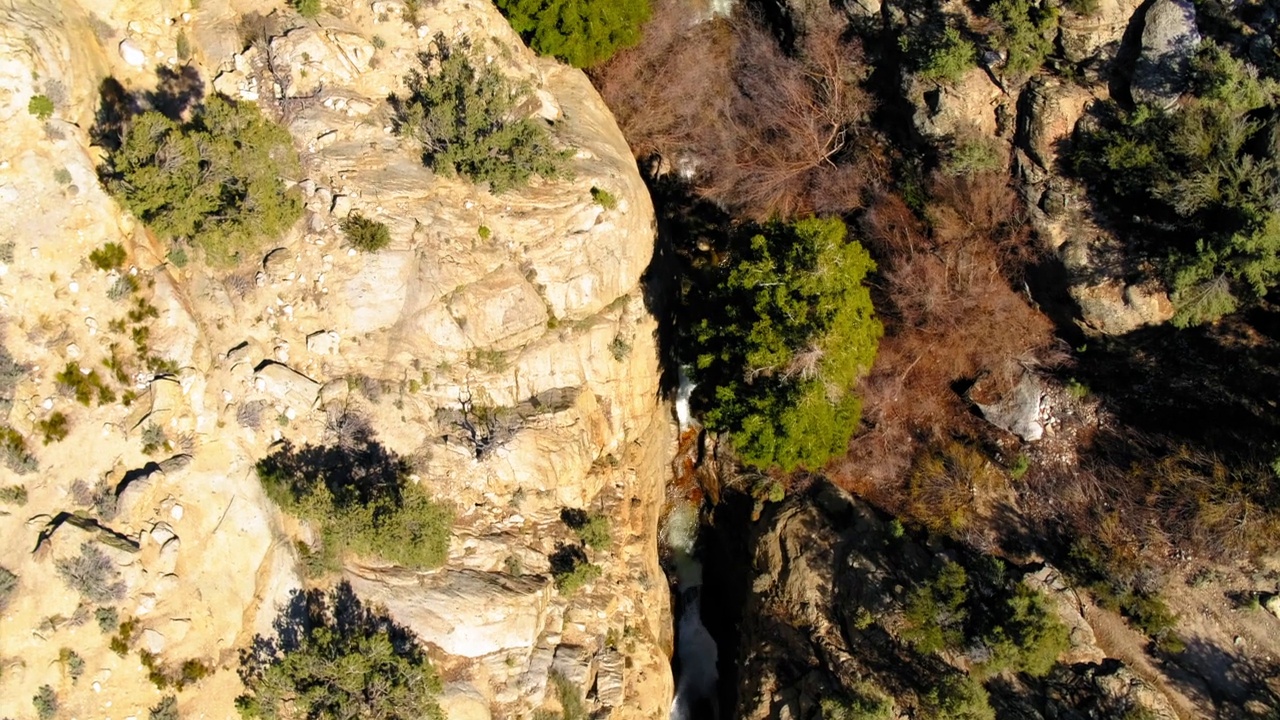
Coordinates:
column 949, row 486
column 668, row 90
column 951, row 314
column 781, row 149
column 768, row 133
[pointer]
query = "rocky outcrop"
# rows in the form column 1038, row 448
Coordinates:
column 504, row 303
column 1169, row 40
column 829, row 581
column 1018, row 411
column 1095, row 37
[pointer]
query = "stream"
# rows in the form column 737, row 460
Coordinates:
column 696, row 652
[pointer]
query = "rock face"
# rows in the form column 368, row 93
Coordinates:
column 1169, row 40
column 538, row 317
column 829, row 579
column 1095, row 36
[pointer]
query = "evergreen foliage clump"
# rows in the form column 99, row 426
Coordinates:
column 938, row 52
column 787, row 330
column 108, row 257
column 1001, row 622
column 40, row 106
column 337, row 658
column 1200, row 185
column 465, row 114
column 360, row 496
column 214, row 180
column 582, row 33
column 307, row 8
column 1026, row 31
column 364, row 234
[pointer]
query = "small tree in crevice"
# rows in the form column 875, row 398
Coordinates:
column 364, row 234
column 334, row 657
column 360, row 496
column 467, row 116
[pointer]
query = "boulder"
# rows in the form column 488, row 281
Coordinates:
column 1095, row 36
column 286, row 384
column 1049, row 112
column 968, row 106
column 1169, row 40
column 462, row 701
column 575, row 664
column 1017, row 410
column 1113, row 307
column 609, row 678
column 317, row 58
column 463, row 612
column 1272, row 604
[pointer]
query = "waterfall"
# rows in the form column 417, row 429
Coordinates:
column 696, row 691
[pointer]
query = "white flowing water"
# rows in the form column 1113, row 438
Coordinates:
column 695, row 648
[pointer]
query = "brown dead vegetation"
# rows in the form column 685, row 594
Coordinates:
column 765, row 133
column 952, row 313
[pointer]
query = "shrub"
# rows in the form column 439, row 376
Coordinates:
column 54, row 428
column 72, row 661
column 122, row 288
column 14, row 495
column 46, row 703
column 604, row 198
column 592, row 528
column 108, row 257
column 306, row 8
column 947, row 485
column 972, row 156
column 569, row 582
column 92, row 574
column 360, row 497
column 1205, row 190
column 119, row 643
column 8, row 586
column 781, row 335
column 11, row 373
column 1021, row 464
column 335, row 658
column 364, row 234
column 571, row 570
column 867, row 702
column 84, row 386
column 167, row 709
column 939, row 52
column 1027, row 32
column 935, row 613
column 108, row 619
column 1029, row 637
column 40, row 106
column 580, row 32
column 958, row 697
column 464, row 114
column 13, row 451
column 213, row 180
column 153, row 438
column 570, row 697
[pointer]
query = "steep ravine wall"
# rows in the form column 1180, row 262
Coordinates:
column 546, row 303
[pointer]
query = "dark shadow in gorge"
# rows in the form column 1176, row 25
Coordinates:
column 725, row 549
column 683, row 221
